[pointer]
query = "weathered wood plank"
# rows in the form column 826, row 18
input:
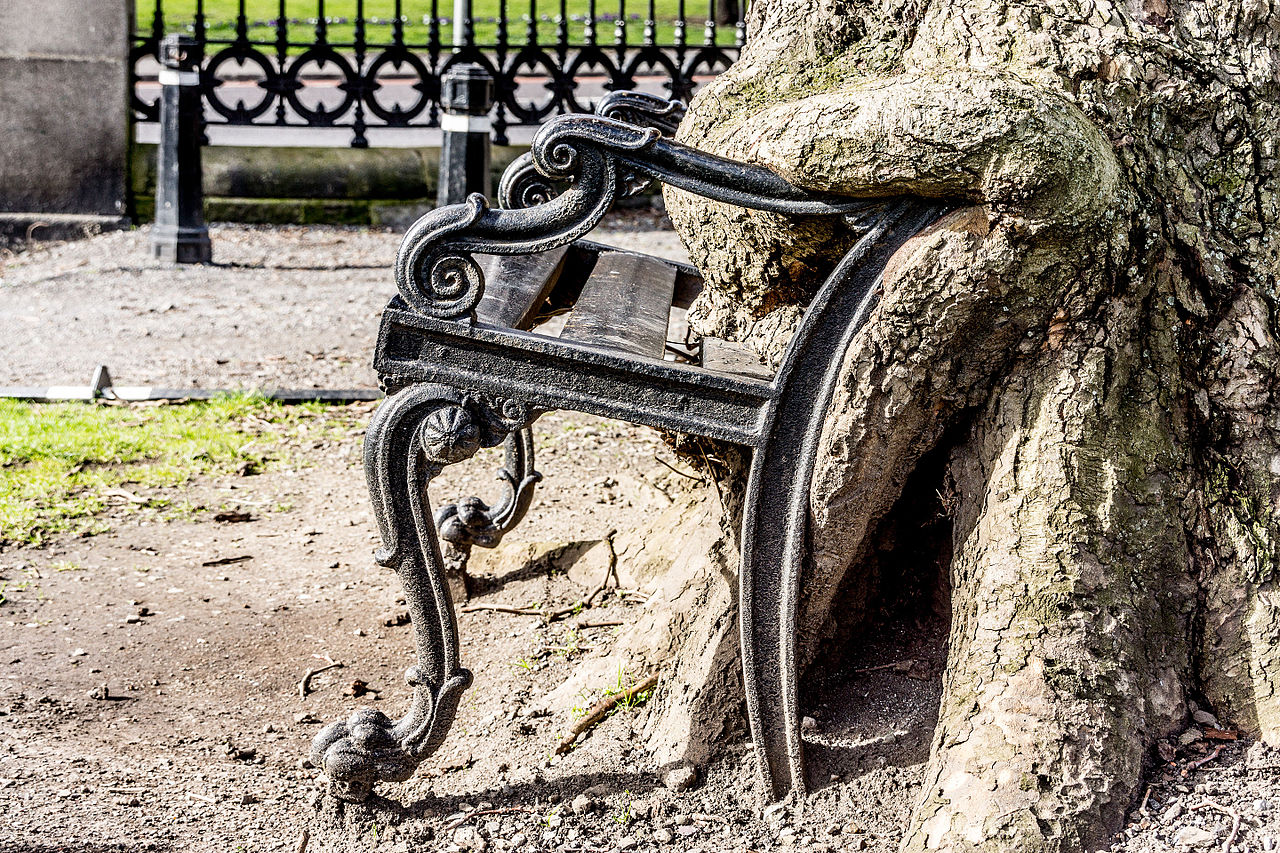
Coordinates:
column 515, row 286
column 731, row 357
column 624, row 305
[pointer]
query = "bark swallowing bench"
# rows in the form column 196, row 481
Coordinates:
column 465, row 367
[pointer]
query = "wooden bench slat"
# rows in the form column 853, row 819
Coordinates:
column 624, row 305
column 732, row 357
column 515, row 286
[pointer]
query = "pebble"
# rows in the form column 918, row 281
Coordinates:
column 519, row 840
column 1205, row 718
column 467, row 838
column 1190, row 736
column 1172, row 813
column 1261, row 805
column 1268, row 843
column 808, row 725
column 626, row 842
column 1193, row 836
column 776, row 813
column 686, row 831
column 682, row 777
column 582, row 804
column 663, row 835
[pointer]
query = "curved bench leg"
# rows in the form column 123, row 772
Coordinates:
column 776, row 516
column 410, row 439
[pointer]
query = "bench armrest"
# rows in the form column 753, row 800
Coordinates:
column 523, row 185
column 599, row 158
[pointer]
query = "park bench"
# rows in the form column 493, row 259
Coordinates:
column 466, row 366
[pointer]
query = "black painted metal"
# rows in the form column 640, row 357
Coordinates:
column 467, row 385
column 466, row 99
column 179, row 234
column 276, row 72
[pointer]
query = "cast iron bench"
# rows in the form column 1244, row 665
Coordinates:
column 465, row 367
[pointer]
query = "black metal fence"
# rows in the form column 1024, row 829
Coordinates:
column 363, row 71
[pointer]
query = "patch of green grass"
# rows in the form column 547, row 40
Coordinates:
column 63, row 464
column 220, row 20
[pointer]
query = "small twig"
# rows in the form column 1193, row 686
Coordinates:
column 899, row 665
column 677, row 470
column 711, row 475
column 1229, row 812
column 302, row 842
column 227, row 561
column 610, row 570
column 601, row 710
column 581, row 626
column 126, row 790
column 457, row 822
column 193, row 796
column 1195, row 765
column 1142, row 809
column 503, row 608
column 304, row 686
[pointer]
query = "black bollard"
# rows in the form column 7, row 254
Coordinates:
column 179, row 234
column 467, row 96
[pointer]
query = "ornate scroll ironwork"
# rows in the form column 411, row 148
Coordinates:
column 411, row 438
column 599, row 159
column 523, row 185
column 281, row 72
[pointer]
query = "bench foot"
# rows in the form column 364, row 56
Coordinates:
column 411, row 438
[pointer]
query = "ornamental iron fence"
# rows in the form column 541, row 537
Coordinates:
column 364, row 70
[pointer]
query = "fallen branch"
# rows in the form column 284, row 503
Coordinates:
column 304, row 686
column 1229, row 812
column 601, row 710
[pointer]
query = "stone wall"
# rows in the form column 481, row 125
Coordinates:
column 64, row 141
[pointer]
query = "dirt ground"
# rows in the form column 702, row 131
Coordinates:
column 150, row 682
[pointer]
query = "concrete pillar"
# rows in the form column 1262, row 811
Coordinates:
column 64, row 109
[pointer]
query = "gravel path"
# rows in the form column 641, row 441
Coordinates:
column 282, row 307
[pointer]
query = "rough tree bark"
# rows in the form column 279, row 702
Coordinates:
column 1091, row 339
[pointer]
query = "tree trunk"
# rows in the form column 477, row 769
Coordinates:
column 1088, row 340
